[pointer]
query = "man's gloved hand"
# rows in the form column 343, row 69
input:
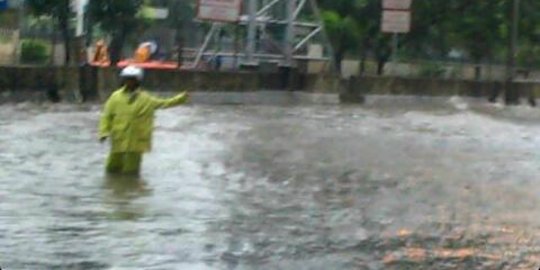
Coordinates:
column 186, row 95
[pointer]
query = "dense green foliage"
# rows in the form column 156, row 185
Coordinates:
column 60, row 11
column 34, row 52
column 475, row 31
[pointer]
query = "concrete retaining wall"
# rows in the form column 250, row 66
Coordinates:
column 356, row 88
column 74, row 83
column 201, row 81
column 424, row 87
column 31, row 83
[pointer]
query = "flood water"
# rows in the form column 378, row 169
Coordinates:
column 394, row 184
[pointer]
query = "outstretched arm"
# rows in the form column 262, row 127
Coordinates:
column 163, row 103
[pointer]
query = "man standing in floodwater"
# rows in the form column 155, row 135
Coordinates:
column 128, row 120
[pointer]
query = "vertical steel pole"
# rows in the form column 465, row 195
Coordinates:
column 252, row 31
column 395, row 45
column 289, row 35
column 511, row 94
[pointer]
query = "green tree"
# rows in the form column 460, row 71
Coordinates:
column 372, row 40
column 477, row 30
column 343, row 33
column 180, row 15
column 119, row 18
column 480, row 29
column 60, row 11
column 529, row 51
column 430, row 35
column 354, row 27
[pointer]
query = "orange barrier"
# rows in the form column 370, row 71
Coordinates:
column 140, row 59
column 142, row 54
column 101, row 54
column 149, row 64
column 145, row 65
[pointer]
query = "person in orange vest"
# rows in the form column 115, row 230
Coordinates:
column 101, row 56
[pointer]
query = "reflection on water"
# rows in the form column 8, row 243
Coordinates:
column 396, row 184
column 122, row 190
column 126, row 186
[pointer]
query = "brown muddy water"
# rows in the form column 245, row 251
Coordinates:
column 394, row 184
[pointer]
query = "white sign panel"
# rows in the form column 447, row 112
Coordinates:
column 397, row 4
column 219, row 10
column 394, row 21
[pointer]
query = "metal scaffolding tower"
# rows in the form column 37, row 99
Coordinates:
column 277, row 31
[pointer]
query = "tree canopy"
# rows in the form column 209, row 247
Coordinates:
column 119, row 18
column 478, row 29
column 60, row 11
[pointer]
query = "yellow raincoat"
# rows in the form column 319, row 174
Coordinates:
column 128, row 120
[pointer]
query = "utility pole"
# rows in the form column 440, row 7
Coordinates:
column 288, row 41
column 289, row 35
column 252, row 32
column 18, row 50
column 395, row 46
column 511, row 93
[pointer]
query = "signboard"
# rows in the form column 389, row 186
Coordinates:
column 219, row 10
column 396, row 21
column 3, row 4
column 397, row 4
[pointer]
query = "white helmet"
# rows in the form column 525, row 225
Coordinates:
column 132, row 72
